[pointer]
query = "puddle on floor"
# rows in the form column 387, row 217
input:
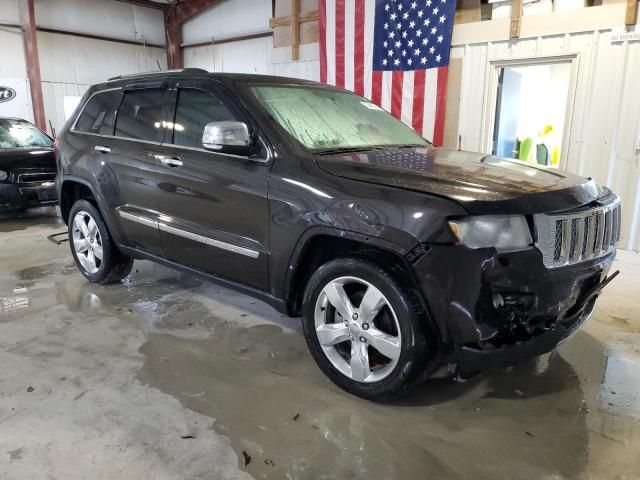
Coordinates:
column 267, row 395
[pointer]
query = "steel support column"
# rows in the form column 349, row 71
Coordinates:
column 173, row 35
column 28, row 23
column 174, row 16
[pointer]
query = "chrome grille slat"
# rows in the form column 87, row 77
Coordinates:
column 570, row 238
column 35, row 177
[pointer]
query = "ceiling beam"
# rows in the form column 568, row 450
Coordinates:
column 183, row 10
column 146, row 3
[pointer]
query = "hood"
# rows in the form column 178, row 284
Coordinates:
column 483, row 184
column 25, row 158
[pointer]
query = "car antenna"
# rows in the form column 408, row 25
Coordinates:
column 159, row 67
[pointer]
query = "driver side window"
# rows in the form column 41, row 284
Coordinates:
column 196, row 108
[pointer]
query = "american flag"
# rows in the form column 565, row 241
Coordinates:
column 394, row 52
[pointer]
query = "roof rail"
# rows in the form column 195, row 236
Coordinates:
column 182, row 70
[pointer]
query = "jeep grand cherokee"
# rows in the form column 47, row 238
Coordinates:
column 405, row 261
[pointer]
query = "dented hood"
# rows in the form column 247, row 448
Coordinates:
column 483, row 184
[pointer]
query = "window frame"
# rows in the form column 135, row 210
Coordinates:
column 215, row 88
column 84, row 106
column 166, row 101
column 172, row 136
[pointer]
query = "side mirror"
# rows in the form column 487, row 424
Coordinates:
column 227, row 137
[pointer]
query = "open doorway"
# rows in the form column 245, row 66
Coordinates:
column 531, row 112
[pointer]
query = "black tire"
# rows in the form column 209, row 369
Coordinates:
column 416, row 348
column 114, row 266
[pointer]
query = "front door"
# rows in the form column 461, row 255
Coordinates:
column 214, row 208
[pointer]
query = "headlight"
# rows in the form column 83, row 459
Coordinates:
column 3, row 175
column 503, row 232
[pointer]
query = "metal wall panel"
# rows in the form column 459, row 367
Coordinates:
column 604, row 133
column 228, row 18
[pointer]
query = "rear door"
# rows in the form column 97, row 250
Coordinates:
column 139, row 132
column 214, row 206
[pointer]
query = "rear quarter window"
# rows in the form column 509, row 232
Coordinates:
column 98, row 116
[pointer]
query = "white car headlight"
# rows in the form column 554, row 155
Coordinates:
column 3, row 175
column 505, row 233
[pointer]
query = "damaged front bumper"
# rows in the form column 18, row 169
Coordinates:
column 499, row 309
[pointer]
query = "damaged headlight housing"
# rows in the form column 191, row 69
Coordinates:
column 505, row 233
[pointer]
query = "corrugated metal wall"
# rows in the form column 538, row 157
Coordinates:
column 604, row 135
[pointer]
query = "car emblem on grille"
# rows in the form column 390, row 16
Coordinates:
column 7, row 94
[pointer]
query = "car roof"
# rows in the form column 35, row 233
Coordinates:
column 233, row 78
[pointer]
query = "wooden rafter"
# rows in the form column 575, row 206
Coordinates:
column 631, row 16
column 294, row 20
column 516, row 18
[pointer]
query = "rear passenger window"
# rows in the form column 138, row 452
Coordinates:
column 140, row 115
column 195, row 109
column 99, row 114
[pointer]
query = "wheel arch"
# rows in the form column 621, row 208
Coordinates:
column 321, row 245
column 72, row 190
column 75, row 188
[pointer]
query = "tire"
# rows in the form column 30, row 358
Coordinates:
column 354, row 362
column 113, row 266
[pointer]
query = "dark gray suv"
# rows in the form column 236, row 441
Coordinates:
column 405, row 261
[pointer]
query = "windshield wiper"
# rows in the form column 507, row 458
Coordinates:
column 364, row 148
column 409, row 145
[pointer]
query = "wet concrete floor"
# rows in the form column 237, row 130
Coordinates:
column 171, row 377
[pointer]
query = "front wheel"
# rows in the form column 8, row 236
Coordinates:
column 365, row 331
column 92, row 247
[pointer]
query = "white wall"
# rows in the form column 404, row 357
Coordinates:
column 604, row 135
column 230, row 18
column 102, row 17
column 69, row 64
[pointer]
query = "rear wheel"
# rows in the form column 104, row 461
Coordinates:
column 364, row 329
column 96, row 256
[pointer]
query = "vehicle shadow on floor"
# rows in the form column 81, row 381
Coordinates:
column 12, row 222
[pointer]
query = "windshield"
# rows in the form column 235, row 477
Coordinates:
column 21, row 134
column 326, row 119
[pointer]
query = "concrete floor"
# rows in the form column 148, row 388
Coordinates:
column 169, row 377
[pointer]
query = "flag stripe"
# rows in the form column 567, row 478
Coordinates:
column 386, row 91
column 358, row 61
column 369, row 14
column 441, row 105
column 407, row 97
column 340, row 43
column 396, row 93
column 322, row 24
column 376, row 87
column 431, row 82
column 330, row 38
column 349, row 47
column 418, row 100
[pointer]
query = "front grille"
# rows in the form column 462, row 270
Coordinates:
column 40, row 177
column 569, row 238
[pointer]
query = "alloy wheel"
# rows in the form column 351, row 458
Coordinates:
column 357, row 329
column 87, row 242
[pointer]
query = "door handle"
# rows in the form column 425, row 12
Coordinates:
column 100, row 148
column 171, row 161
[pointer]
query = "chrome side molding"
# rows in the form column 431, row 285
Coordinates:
column 189, row 235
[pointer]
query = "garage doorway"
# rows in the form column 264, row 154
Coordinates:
column 533, row 106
